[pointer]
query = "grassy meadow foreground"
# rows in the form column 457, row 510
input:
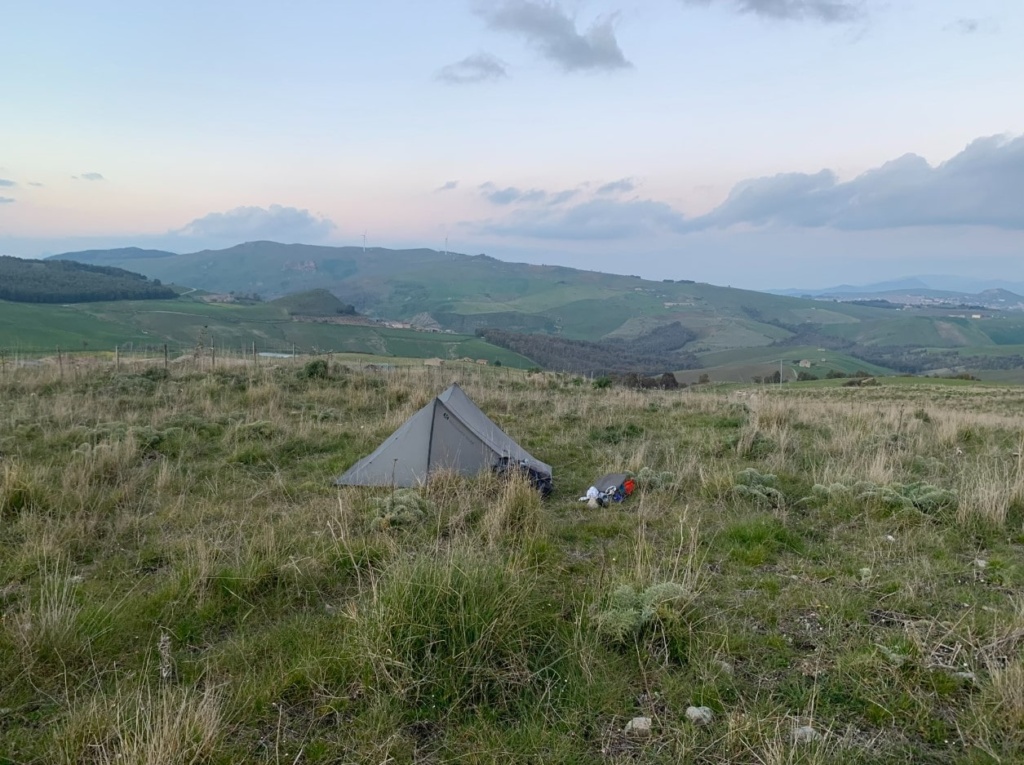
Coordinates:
column 835, row 573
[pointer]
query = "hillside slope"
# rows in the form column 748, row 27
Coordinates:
column 476, row 294
column 64, row 281
column 466, row 293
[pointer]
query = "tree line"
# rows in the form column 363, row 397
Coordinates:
column 65, row 281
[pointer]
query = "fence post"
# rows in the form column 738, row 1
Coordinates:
column 60, row 363
column 117, row 357
column 165, row 356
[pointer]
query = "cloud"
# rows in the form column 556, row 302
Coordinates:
column 509, row 195
column 480, row 67
column 561, row 197
column 4, row 183
column 623, row 186
column 287, row 224
column 826, row 11
column 33, row 183
column 89, row 177
column 980, row 186
column 6, row 200
column 512, row 195
column 450, row 186
column 970, row 26
column 547, row 28
column 590, row 220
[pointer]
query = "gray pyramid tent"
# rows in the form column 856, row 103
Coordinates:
column 449, row 433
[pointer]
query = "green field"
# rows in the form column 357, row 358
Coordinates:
column 33, row 326
column 920, row 331
column 743, row 365
column 184, row 323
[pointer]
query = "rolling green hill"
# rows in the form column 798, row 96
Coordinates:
column 472, row 294
column 314, row 303
column 466, row 293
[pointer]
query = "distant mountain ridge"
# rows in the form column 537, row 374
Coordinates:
column 120, row 253
column 941, row 283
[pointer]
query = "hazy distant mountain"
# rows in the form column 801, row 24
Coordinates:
column 121, row 253
column 944, row 283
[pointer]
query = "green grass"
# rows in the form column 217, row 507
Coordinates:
column 183, row 323
column 1006, row 330
column 180, row 582
column 919, row 331
column 742, row 365
column 31, row 326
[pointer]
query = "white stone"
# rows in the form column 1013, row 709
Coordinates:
column 890, row 538
column 726, row 667
column 639, row 726
column 894, row 658
column 805, row 734
column 699, row 715
column 979, row 563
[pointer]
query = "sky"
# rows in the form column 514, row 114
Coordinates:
column 751, row 143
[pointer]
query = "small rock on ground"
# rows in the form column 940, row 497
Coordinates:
column 699, row 715
column 805, row 734
column 639, row 726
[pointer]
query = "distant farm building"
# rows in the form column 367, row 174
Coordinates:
column 434, row 362
column 805, row 363
column 482, row 362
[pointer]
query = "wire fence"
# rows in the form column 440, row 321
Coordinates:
column 16, row 356
column 179, row 358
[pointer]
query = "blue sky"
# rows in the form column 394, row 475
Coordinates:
column 758, row 143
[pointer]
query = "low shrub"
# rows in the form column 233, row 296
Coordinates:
column 649, row 479
column 629, row 612
column 402, row 508
column 759, row 488
column 317, row 369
